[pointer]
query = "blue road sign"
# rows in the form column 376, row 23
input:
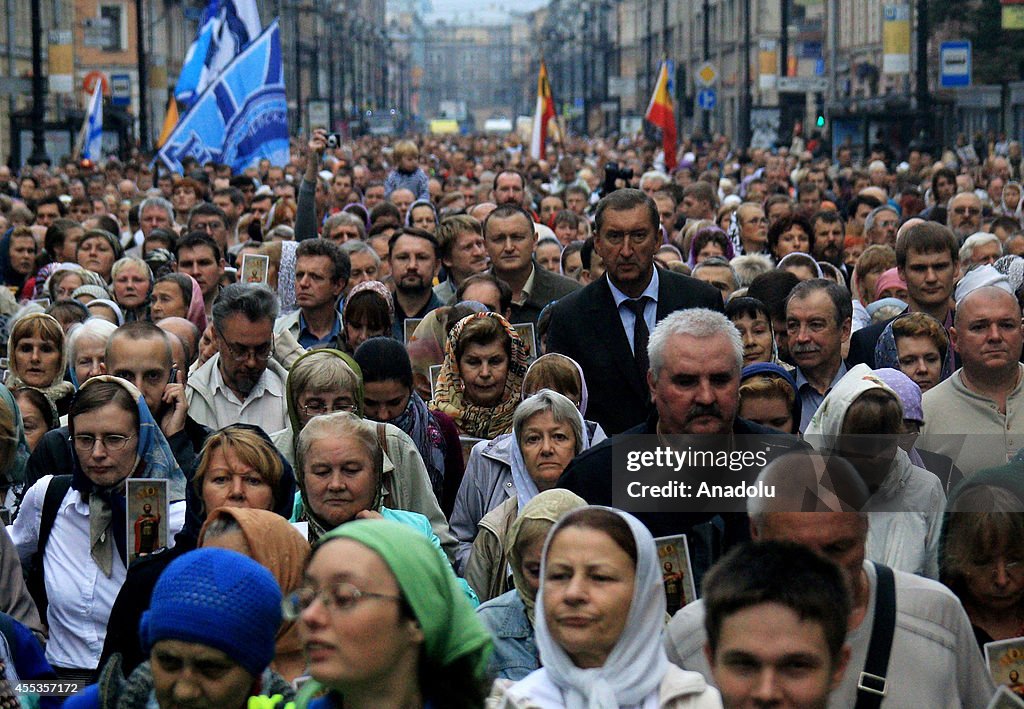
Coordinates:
column 707, row 98
column 955, row 64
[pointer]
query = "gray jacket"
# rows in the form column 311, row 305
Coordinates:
column 486, row 484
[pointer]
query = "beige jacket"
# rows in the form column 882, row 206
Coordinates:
column 487, row 567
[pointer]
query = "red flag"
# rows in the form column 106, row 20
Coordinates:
column 544, row 112
column 661, row 114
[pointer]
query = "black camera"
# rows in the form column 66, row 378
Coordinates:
column 333, row 140
column 612, row 173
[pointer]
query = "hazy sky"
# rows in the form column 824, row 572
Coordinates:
column 467, row 11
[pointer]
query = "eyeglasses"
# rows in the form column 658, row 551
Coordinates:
column 261, row 353
column 340, row 597
column 967, row 211
column 85, row 442
column 318, row 408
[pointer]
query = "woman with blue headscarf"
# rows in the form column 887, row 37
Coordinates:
column 113, row 437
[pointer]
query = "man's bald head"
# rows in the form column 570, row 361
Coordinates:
column 187, row 333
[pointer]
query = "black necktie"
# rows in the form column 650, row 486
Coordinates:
column 640, row 332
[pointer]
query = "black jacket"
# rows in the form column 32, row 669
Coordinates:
column 709, row 535
column 586, row 326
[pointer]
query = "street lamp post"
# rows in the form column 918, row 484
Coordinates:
column 38, row 89
column 144, row 133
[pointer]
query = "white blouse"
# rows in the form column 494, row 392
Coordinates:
column 79, row 594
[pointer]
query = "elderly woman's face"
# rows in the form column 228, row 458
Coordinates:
column 318, row 403
column 106, row 440
column 167, row 301
column 547, row 446
column 423, row 218
column 131, row 286
column 229, row 481
column 67, row 286
column 89, row 354
column 356, row 643
column 588, row 589
column 484, row 369
column 37, row 360
column 340, row 479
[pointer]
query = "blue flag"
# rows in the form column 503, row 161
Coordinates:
column 92, row 129
column 241, row 117
column 227, row 28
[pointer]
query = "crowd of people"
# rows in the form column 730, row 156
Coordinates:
column 385, row 389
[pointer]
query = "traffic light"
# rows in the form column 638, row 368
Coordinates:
column 821, row 121
column 819, row 110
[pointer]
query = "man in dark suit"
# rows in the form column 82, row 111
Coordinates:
column 510, row 240
column 598, row 326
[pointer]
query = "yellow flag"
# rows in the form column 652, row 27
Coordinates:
column 170, row 120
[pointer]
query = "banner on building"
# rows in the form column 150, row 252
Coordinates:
column 242, row 117
column 896, row 39
column 767, row 65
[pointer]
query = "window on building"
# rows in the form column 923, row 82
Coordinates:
column 114, row 14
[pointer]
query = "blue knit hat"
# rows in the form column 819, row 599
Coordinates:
column 217, row 598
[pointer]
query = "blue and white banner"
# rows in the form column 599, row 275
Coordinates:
column 228, row 26
column 242, row 117
column 92, row 128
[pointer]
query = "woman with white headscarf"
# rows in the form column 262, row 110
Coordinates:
column 599, row 633
column 862, row 420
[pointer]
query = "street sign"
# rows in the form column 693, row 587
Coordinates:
column 120, row 89
column 802, row 84
column 707, row 98
column 706, row 75
column 955, row 64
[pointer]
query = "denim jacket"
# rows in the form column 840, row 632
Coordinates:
column 515, row 649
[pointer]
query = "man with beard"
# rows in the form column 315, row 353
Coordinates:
column 696, row 356
column 819, row 314
column 829, row 235
column 414, row 255
column 241, row 383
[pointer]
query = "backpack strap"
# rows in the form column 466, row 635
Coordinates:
column 382, row 441
column 55, row 493
column 872, row 684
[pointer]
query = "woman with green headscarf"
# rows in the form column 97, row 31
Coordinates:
column 509, row 617
column 383, row 623
column 324, row 381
